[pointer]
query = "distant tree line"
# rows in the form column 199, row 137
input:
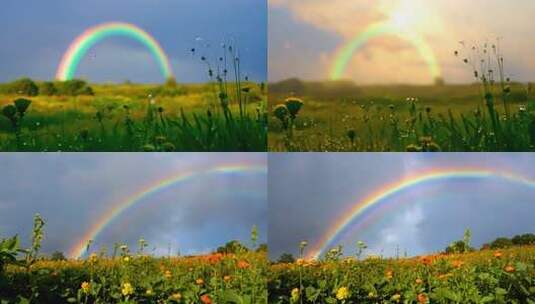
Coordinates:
column 28, row 87
column 460, row 246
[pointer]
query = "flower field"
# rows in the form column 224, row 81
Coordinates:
column 215, row 278
column 487, row 276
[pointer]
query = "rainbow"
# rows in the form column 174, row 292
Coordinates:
column 119, row 207
column 82, row 44
column 357, row 213
column 343, row 58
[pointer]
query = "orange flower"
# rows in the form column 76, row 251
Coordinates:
column 389, row 275
column 497, row 254
column 457, row 263
column 206, row 299
column 419, row 281
column 199, row 281
column 509, row 268
column 426, row 260
column 422, row 298
column 226, row 278
column 214, row 258
column 243, row 264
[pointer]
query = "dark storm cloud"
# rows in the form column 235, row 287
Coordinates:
column 309, row 192
column 71, row 191
column 35, row 34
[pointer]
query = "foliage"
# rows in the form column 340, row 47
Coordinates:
column 494, row 115
column 127, row 277
column 22, row 86
column 227, row 113
column 485, row 276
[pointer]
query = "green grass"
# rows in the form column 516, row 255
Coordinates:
column 129, row 117
column 340, row 116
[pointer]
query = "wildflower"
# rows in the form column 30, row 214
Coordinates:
column 127, row 289
column 295, row 295
column 457, row 263
column 206, row 299
column 426, row 261
column 167, row 274
column 342, row 293
column 86, row 287
column 149, row 292
column 300, row 262
column 497, row 254
column 93, row 258
column 226, row 278
column 419, row 281
column 371, row 295
column 126, row 259
column 176, row 296
column 243, row 264
column 199, row 281
column 396, row 297
column 389, row 275
column 422, row 298
column 509, row 268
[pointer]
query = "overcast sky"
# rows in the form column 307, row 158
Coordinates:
column 305, row 35
column 308, row 192
column 36, row 33
column 71, row 191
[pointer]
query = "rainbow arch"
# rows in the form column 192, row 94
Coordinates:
column 119, row 207
column 357, row 213
column 343, row 58
column 81, row 45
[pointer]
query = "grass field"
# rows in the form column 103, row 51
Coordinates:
column 487, row 276
column 341, row 116
column 131, row 117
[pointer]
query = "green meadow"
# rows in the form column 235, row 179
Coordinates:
column 343, row 116
column 80, row 116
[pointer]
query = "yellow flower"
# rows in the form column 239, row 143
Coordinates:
column 419, row 281
column 371, row 295
column 126, row 259
column 93, row 258
column 85, row 287
column 167, row 274
column 149, row 292
column 226, row 278
column 396, row 297
column 295, row 295
column 300, row 262
column 176, row 296
column 127, row 289
column 342, row 293
column 199, row 281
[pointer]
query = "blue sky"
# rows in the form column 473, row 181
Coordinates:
column 309, row 191
column 35, row 34
column 72, row 190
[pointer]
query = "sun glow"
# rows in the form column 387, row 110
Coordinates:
column 412, row 16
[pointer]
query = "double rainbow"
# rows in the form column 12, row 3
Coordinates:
column 126, row 203
column 357, row 213
column 81, row 45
